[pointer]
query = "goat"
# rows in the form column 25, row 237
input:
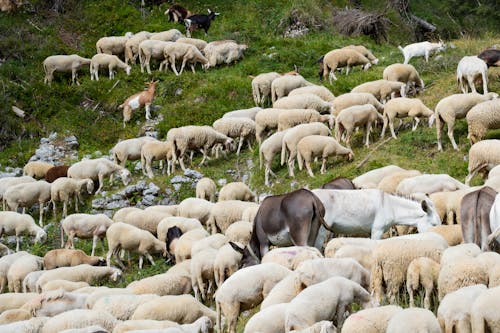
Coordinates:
column 177, row 13
column 469, row 69
column 136, row 101
column 420, row 49
column 197, row 21
column 491, row 57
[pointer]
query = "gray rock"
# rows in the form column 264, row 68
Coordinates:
column 177, row 186
column 53, row 136
column 141, row 185
column 179, row 179
column 98, row 203
column 193, row 174
column 117, row 204
column 167, row 202
column 129, row 191
column 138, row 166
column 151, row 190
column 116, row 196
column 148, row 200
column 178, row 91
column 222, row 182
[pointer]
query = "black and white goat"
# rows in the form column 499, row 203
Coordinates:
column 199, row 21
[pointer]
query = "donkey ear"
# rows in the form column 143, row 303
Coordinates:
column 237, row 248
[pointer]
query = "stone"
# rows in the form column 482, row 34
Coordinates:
column 193, row 174
column 179, row 179
column 222, row 182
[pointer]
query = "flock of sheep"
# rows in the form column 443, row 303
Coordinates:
column 298, row 288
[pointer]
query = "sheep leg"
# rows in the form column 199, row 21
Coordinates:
column 409, row 288
column 470, row 80
column 94, row 244
column 183, row 65
column 172, row 64
column 119, row 261
column 384, row 126
column 449, row 217
column 323, row 165
column 368, row 130
column 308, row 168
column 450, row 134
column 192, row 68
column 414, row 127
column 17, row 242
column 391, row 126
column 65, row 208
column 141, row 261
column 150, row 258
column 427, row 298
column 101, row 181
column 239, row 146
column 111, row 74
column 40, row 208
column 348, row 69
column 291, row 165
column 266, row 175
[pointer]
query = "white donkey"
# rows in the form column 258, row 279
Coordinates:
column 423, row 49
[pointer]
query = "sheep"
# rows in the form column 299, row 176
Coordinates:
column 423, row 271
column 20, row 268
column 245, row 289
column 383, row 90
column 195, row 208
column 350, row 99
column 372, row 178
column 420, row 49
column 294, row 117
column 166, row 209
column 56, row 172
column 37, row 169
column 223, row 53
column 27, row 194
column 97, row 169
column 199, row 43
column 413, row 320
column 215, row 241
column 184, row 223
column 292, row 138
column 226, row 262
column 240, row 232
column 5, row 263
column 243, row 113
column 456, row 274
column 87, row 329
column 224, row 213
column 130, row 325
column 290, row 257
column 151, row 48
column 180, row 247
column 98, row 292
column 132, row 46
column 363, row 255
column 14, row 315
column 456, row 107
column 85, row 226
column 313, row 146
column 451, row 233
column 187, row 52
column 483, row 155
column 9, row 301
column 268, row 150
column 162, row 284
column 171, row 35
column 390, row 182
column 236, row 191
column 127, row 237
column 241, row 128
column 358, row 115
column 29, row 282
column 182, row 309
column 67, row 257
column 136, row 101
column 482, row 117
column 405, row 107
column 25, row 326
column 7, row 182
column 268, row 320
column 63, row 63
column 84, row 272
column 324, row 301
column 62, row 189
column 205, row 189
column 454, row 311
column 145, row 220
column 282, row 86
column 267, row 120
column 322, row 92
column 202, row 271
column 129, row 150
column 107, row 60
column 67, row 286
column 78, row 319
column 364, row 51
column 483, row 317
column 201, row 325
column 373, row 320
column 12, row 223
column 470, row 68
column 157, row 150
column 4, row 250
column 404, row 73
column 342, row 58
column 304, row 101
column 112, row 44
column 55, row 302
column 261, row 86
column 122, row 306
column 249, row 214
column 428, row 184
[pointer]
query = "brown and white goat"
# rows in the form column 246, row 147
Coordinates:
column 136, row 101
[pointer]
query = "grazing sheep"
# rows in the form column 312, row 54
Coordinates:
column 383, row 90
column 97, row 169
column 243, row 113
column 342, row 58
column 236, row 191
column 4, row 250
column 29, row 282
column 85, row 226
column 20, row 268
column 129, row 150
column 122, row 306
column 205, row 189
column 240, row 231
column 390, row 183
column 350, row 99
column 182, row 248
column 294, row 117
column 27, row 194
column 268, row 320
column 136, row 101
column 481, row 118
column 268, row 150
column 67, row 257
column 185, row 224
column 151, row 49
column 63, row 63
column 120, row 214
column 112, row 44
column 201, row 325
column 373, row 320
column 456, row 274
column 223, row 53
column 202, row 272
column 470, row 68
column 303, row 101
column 55, row 302
column 215, row 241
column 14, row 315
column 171, row 35
column 224, row 213
column 32, row 325
column 241, row 128
column 405, row 107
column 451, row 233
column 181, row 51
column 267, row 120
column 483, row 155
column 130, row 325
column 358, row 115
column 132, row 46
column 7, row 182
column 483, row 316
column 199, row 43
column 5, row 263
column 361, row 254
column 166, row 209
column 37, row 169
column 322, row 92
column 107, row 60
column 313, row 146
column 420, row 49
column 364, row 51
column 261, row 87
column 12, row 223
column 423, row 271
column 226, row 262
column 157, row 150
column 64, row 188
column 372, row 178
column 428, row 184
column 413, row 320
column 282, row 86
column 404, row 73
column 79, row 318
column 291, row 256
column 162, row 284
column 10, row 301
column 64, row 285
column 195, row 208
column 56, row 172
column 456, row 107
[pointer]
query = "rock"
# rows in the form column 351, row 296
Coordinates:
column 53, row 136
column 98, row 203
column 179, row 179
column 117, row 204
column 222, row 182
column 193, row 174
column 148, row 200
column 166, row 202
column 138, row 166
column 177, row 186
column 178, row 91
column 245, row 178
column 151, row 190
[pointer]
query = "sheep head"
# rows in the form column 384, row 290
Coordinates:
column 116, row 274
column 125, row 176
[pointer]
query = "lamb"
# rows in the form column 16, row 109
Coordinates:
column 29, row 282
column 390, row 182
column 241, row 128
column 423, row 271
column 129, row 149
column 364, row 51
column 205, row 189
column 63, row 63
column 84, row 272
column 195, row 208
column 372, row 178
column 358, row 115
column 25, row 326
column 66, row 257
column 268, row 150
column 85, row 226
column 240, row 232
column 282, row 86
column 78, row 319
column 292, row 138
column 268, row 320
column 7, row 182
column 112, row 44
column 122, row 306
column 136, row 101
column 335, row 295
column 283, row 292
column 127, row 237
column 171, row 35
column 162, row 284
column 483, row 155
column 20, row 268
column 67, row 286
column 405, row 107
column 470, row 68
column 456, row 107
column 421, row 49
column 5, row 263
column 245, row 289
column 151, row 49
column 342, row 58
column 304, row 101
column 322, row 92
column 27, row 194
column 261, row 87
column 313, row 146
column 186, row 52
column 236, row 191
column 130, row 325
column 157, row 150
column 12, row 223
column 199, row 43
column 383, row 90
column 226, row 262
column 97, row 169
column 482, row 117
column 483, row 317
column 132, row 46
column 37, row 169
column 64, row 188
column 413, row 320
column 107, row 60
column 182, row 309
column 406, row 74
column 428, row 184
column 14, row 315
column 267, row 120
column 243, row 113
column 56, row 172
column 223, row 53
column 373, row 320
column 202, row 271
column 350, row 99
column 224, row 213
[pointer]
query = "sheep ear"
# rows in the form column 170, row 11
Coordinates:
column 236, row 247
column 425, row 206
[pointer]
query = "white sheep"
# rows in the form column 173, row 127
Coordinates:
column 290, row 257
column 97, row 169
column 268, row 320
column 249, row 214
column 112, row 44
column 55, row 302
column 483, row 317
column 189, row 54
column 243, row 113
column 205, row 189
column 303, row 101
column 129, row 149
column 181, row 248
column 313, row 146
column 361, row 254
column 79, row 318
column 27, row 194
column 87, row 329
column 151, row 49
column 267, row 120
column 404, row 73
column 166, row 209
column 14, row 315
column 199, row 43
column 456, row 107
column 162, row 284
column 483, row 155
column 428, row 184
column 355, row 116
column 423, row 271
column 390, row 182
column 268, row 150
column 32, row 325
column 36, row 169
column 413, row 320
column 292, row 138
column 201, row 325
column 109, row 61
column 261, row 86
column 448, row 204
column 364, row 51
column 202, row 273
column 85, row 226
column 215, row 241
column 130, row 325
column 9, row 301
column 241, row 128
column 4, row 250
column 29, row 282
column 291, row 118
column 372, row 178
column 145, row 220
column 64, row 188
column 65, row 285
column 7, row 182
column 451, row 233
column 20, row 268
column 224, row 213
column 5, row 263
column 67, row 257
column 185, row 224
column 132, row 46
column 469, row 69
column 481, row 118
column 350, row 99
column 223, row 52
column 171, row 35
column 322, row 92
column 195, row 208
column 373, row 320
column 282, row 86
column 93, row 295
column 240, row 232
column 236, row 191
column 12, row 223
column 343, row 58
column 455, row 274
column 421, row 49
column 63, row 63
column 405, row 107
column 122, row 307
column 226, row 262
column 383, row 90
column 157, row 150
